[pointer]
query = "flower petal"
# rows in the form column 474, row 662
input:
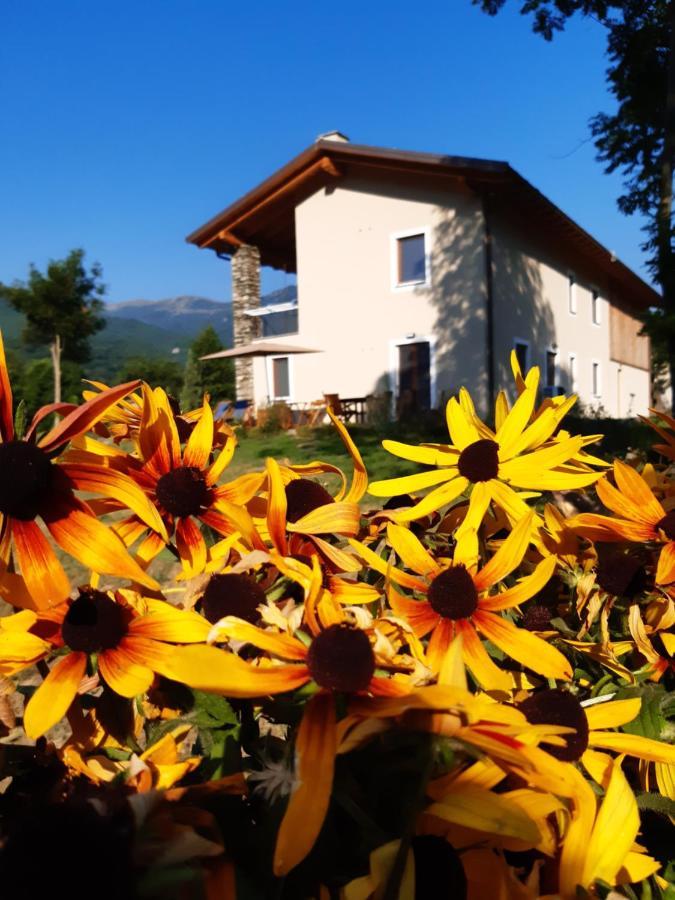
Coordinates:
column 84, row 416
column 6, row 403
column 633, row 486
column 277, row 506
column 111, row 483
column 433, row 501
column 209, row 669
column 665, row 568
column 331, row 518
column 633, row 745
column 164, row 622
column 525, row 588
column 613, row 713
column 200, row 443
column 411, row 551
column 523, row 646
column 191, row 547
column 427, row 454
column 281, row 645
column 42, row 572
column 410, row 484
column 461, row 427
column 51, row 700
column 315, row 748
column 98, row 548
column 125, row 676
column 508, row 557
column 478, row 661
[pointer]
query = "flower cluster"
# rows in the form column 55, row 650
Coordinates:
column 458, row 690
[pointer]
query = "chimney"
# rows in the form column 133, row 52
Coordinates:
column 245, row 295
column 334, row 136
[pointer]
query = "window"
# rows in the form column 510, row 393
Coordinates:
column 573, row 371
column 277, row 323
column 411, row 259
column 595, row 307
column 522, row 349
column 572, row 293
column 281, row 383
column 596, row 379
column 551, row 356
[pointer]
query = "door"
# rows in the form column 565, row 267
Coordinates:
column 414, row 377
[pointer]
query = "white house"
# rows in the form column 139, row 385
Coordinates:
column 419, row 273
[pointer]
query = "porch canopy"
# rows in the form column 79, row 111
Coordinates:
column 260, row 348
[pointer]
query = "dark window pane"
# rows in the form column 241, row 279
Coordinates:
column 550, row 368
column 521, row 355
column 411, row 263
column 280, row 379
column 280, row 323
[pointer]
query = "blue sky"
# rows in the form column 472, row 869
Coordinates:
column 126, row 125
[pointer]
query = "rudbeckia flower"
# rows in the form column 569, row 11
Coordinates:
column 642, row 518
column 182, row 484
column 458, row 601
column 35, row 486
column 131, row 636
column 520, row 453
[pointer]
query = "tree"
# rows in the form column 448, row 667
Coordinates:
column 162, row 373
column 638, row 139
column 62, row 309
column 214, row 377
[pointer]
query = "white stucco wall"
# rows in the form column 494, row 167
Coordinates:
column 351, row 310
column 532, row 302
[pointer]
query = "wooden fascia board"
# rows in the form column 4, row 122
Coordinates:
column 323, row 166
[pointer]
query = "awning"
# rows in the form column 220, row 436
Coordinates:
column 260, row 348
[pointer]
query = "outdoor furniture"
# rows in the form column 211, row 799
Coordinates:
column 347, row 409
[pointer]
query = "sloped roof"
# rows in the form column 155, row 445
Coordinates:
column 265, row 215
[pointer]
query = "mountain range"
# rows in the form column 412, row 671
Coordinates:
column 148, row 328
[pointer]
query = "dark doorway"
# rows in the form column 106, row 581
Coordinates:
column 414, row 377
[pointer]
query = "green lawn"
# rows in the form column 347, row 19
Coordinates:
column 323, row 444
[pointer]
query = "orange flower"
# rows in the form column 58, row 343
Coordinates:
column 33, row 486
column 458, row 601
column 642, row 518
column 131, row 636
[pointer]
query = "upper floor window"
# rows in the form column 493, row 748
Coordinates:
column 572, row 295
column 595, row 308
column 411, row 259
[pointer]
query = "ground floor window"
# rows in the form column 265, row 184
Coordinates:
column 596, row 379
column 551, row 356
column 281, row 381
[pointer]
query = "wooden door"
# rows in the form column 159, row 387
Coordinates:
column 414, row 377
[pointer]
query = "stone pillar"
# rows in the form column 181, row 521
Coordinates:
column 245, row 295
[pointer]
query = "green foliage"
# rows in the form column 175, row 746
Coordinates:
column 158, row 372
column 65, row 301
column 214, row 377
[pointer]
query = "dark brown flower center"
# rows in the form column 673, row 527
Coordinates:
column 303, row 496
column 25, row 477
column 667, row 525
column 537, row 617
column 232, row 595
column 621, row 574
column 438, row 869
column 341, row 659
column 452, row 594
column 479, row 461
column 556, row 707
column 183, row 491
column 93, row 623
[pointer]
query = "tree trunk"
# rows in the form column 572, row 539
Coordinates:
column 665, row 260
column 55, row 349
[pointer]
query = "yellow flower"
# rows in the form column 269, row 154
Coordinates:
column 519, row 453
column 458, row 601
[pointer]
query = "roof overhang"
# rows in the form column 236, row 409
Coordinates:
column 265, row 217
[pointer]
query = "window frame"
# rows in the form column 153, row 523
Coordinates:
column 556, row 366
column 399, row 286
column 269, row 363
column 596, row 314
column 572, row 294
column 573, row 369
column 528, row 347
column 596, row 383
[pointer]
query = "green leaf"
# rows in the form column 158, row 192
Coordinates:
column 657, row 803
column 20, row 420
column 650, row 721
column 212, row 711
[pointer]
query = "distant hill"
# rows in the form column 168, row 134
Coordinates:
column 147, row 328
column 186, row 316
